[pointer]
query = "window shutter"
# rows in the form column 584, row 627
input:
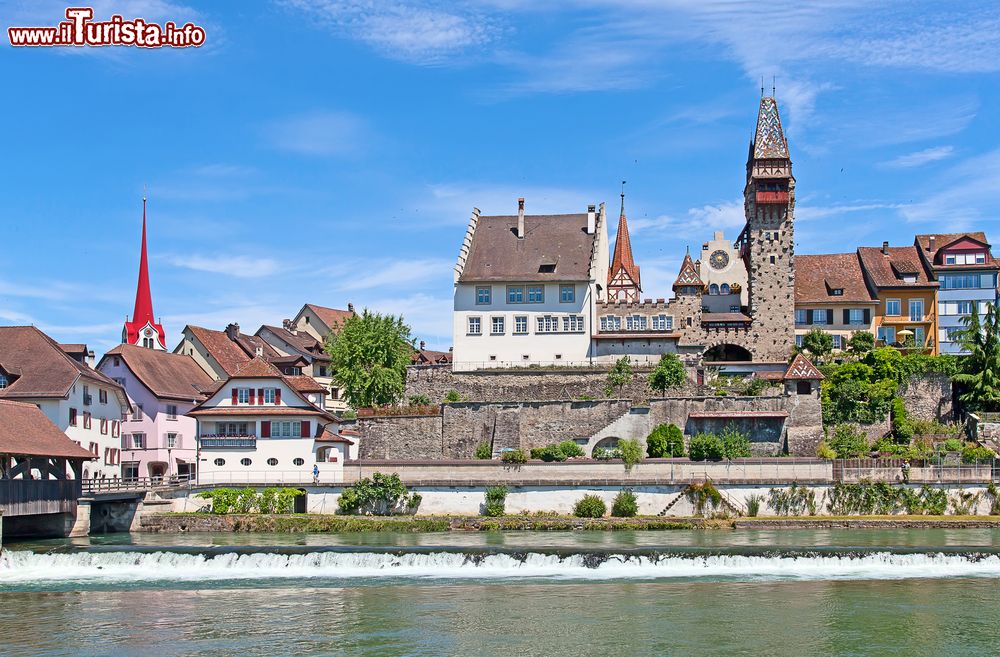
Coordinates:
column 260, row 395
column 277, row 396
column 868, row 316
column 253, row 396
column 847, row 316
column 234, row 397
column 304, row 429
column 265, row 429
column 809, row 316
column 829, row 315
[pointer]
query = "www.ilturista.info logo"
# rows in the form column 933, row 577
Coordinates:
column 81, row 30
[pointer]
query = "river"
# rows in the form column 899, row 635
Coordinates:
column 713, row 592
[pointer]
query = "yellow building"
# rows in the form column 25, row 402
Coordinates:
column 906, row 295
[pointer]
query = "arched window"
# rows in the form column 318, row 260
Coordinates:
column 298, row 461
column 713, row 289
column 272, row 461
column 245, row 461
column 220, row 462
column 724, row 289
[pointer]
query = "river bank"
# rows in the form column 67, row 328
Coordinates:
column 179, row 523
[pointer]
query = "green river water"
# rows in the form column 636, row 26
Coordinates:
column 810, row 592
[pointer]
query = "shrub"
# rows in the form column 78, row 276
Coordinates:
column 953, row 445
column 590, row 506
column 496, row 497
column 549, row 453
column 625, row 505
column 755, row 386
column 419, row 400
column 824, row 451
column 901, row 427
column 452, row 396
column 703, row 495
column 483, row 451
column 735, row 444
column 379, row 495
column 977, row 454
column 753, row 505
column 669, row 372
column 631, row 451
column 848, row 442
column 514, row 457
column 706, row 447
column 795, row 501
column 964, row 504
column 666, row 440
column 602, row 454
column 861, row 342
column 223, row 499
column 570, row 449
column 248, row 500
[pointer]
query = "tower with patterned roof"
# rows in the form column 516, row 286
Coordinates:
column 767, row 242
column 143, row 330
column 623, row 277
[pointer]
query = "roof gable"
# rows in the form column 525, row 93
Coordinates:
column 165, row 374
column 802, row 369
column 43, row 369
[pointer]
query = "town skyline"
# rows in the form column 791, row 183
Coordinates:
column 879, row 156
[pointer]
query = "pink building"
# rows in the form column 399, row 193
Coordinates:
column 158, row 439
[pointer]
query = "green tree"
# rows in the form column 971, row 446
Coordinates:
column 979, row 370
column 818, row 343
column 861, row 342
column 619, row 376
column 848, row 442
column 369, row 356
column 669, row 373
column 631, row 451
column 665, row 441
column 886, row 363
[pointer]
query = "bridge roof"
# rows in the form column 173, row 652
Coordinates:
column 26, row 431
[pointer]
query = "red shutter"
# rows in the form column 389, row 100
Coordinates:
column 253, row 396
column 234, row 397
column 277, row 396
column 304, row 429
column 260, row 395
column 265, row 429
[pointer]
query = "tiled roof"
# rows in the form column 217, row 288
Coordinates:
column 304, row 383
column 26, row 431
column 256, row 410
column 724, row 317
column 942, row 240
column 622, row 258
column 332, row 317
column 557, row 239
column 257, row 368
column 300, row 340
column 428, row 356
column 688, row 274
column 41, row 367
column 816, row 276
column 769, row 139
column 167, row 375
column 887, row 269
column 802, row 369
column 229, row 355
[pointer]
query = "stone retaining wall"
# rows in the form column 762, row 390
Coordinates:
column 929, row 397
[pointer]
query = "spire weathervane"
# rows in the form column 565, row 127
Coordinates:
column 623, row 198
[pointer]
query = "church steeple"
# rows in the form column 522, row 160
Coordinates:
column 143, row 330
column 623, row 277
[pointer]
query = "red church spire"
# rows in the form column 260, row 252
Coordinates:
column 143, row 329
column 623, row 277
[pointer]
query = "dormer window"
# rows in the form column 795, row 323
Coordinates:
column 909, row 278
column 546, row 268
column 837, row 292
column 3, row 381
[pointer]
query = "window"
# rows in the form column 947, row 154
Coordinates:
column 171, row 441
column 837, row 292
column 798, row 340
column 536, row 294
column 713, row 289
column 965, row 258
column 484, row 295
column 286, row 429
column 137, row 413
column 663, row 323
column 497, row 326
column 520, row 325
column 856, row 316
column 130, row 471
column 246, row 462
column 567, row 294
column 87, row 399
column 918, row 335
column 734, row 309
column 547, row 324
column 967, row 281
column 515, row 294
column 611, row 323
column 950, row 259
column 171, row 411
column 72, row 417
column 838, row 342
column 3, row 381
column 800, row 317
column 803, row 387
column 952, row 334
column 104, row 426
column 298, row 461
column 475, row 326
column 102, row 396
column 887, row 334
column 892, row 307
column 980, row 258
column 916, row 310
column 724, row 289
column 219, row 462
column 272, row 461
column 86, row 420
column 573, row 324
column 138, row 441
column 231, row 428
column 268, row 396
column 243, row 395
column 635, row 323
column 772, row 260
column 94, row 448
column 322, row 370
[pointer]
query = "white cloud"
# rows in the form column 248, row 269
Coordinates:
column 699, row 223
column 961, row 195
column 429, row 316
column 920, row 158
column 238, row 266
column 319, row 133
column 369, row 274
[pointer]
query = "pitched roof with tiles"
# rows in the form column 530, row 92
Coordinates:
column 817, row 276
column 167, row 375
column 889, row 268
column 40, row 367
column 26, row 431
column 332, row 317
column 228, row 354
column 622, row 258
column 802, row 369
column 559, row 242
column 424, row 356
column 688, row 275
column 299, row 340
column 931, row 245
column 769, row 138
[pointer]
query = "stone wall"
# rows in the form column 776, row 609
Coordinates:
column 396, row 437
column 929, row 397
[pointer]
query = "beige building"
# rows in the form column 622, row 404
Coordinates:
column 831, row 295
column 725, row 276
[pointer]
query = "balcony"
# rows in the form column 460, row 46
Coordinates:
column 772, row 197
column 219, row 441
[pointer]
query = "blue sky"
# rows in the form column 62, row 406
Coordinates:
column 331, row 151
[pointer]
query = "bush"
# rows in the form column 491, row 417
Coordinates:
column 753, row 505
column 248, row 500
column 570, row 449
column 861, row 342
column 735, row 444
column 824, row 451
column 452, row 396
column 514, row 457
column 619, row 376
column 625, row 505
column 630, row 451
column 795, row 501
column 419, row 400
column 667, row 440
column 496, row 498
column 483, row 451
column 977, row 454
column 901, row 427
column 755, row 386
column 602, row 454
column 590, row 506
column 703, row 495
column 848, row 442
column 380, row 495
column 549, row 453
column 952, row 445
column 706, row 447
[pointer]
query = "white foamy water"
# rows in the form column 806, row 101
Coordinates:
column 22, row 567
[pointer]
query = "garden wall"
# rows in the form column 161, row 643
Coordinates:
column 929, row 397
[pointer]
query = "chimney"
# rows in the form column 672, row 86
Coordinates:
column 286, row 324
column 423, row 345
column 90, row 358
column 930, row 243
column 885, row 248
column 233, row 331
column 591, row 219
column 451, row 349
column 350, row 307
column 258, row 350
column 520, row 218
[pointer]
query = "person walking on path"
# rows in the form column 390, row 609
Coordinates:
column 315, row 474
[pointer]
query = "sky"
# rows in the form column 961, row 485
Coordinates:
column 331, row 151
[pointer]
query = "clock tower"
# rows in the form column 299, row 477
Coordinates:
column 143, row 330
column 725, row 276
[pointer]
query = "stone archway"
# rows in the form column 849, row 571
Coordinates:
column 727, row 352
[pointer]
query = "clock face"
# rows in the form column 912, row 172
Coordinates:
column 149, row 332
column 719, row 259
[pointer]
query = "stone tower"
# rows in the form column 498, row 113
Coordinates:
column 767, row 242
